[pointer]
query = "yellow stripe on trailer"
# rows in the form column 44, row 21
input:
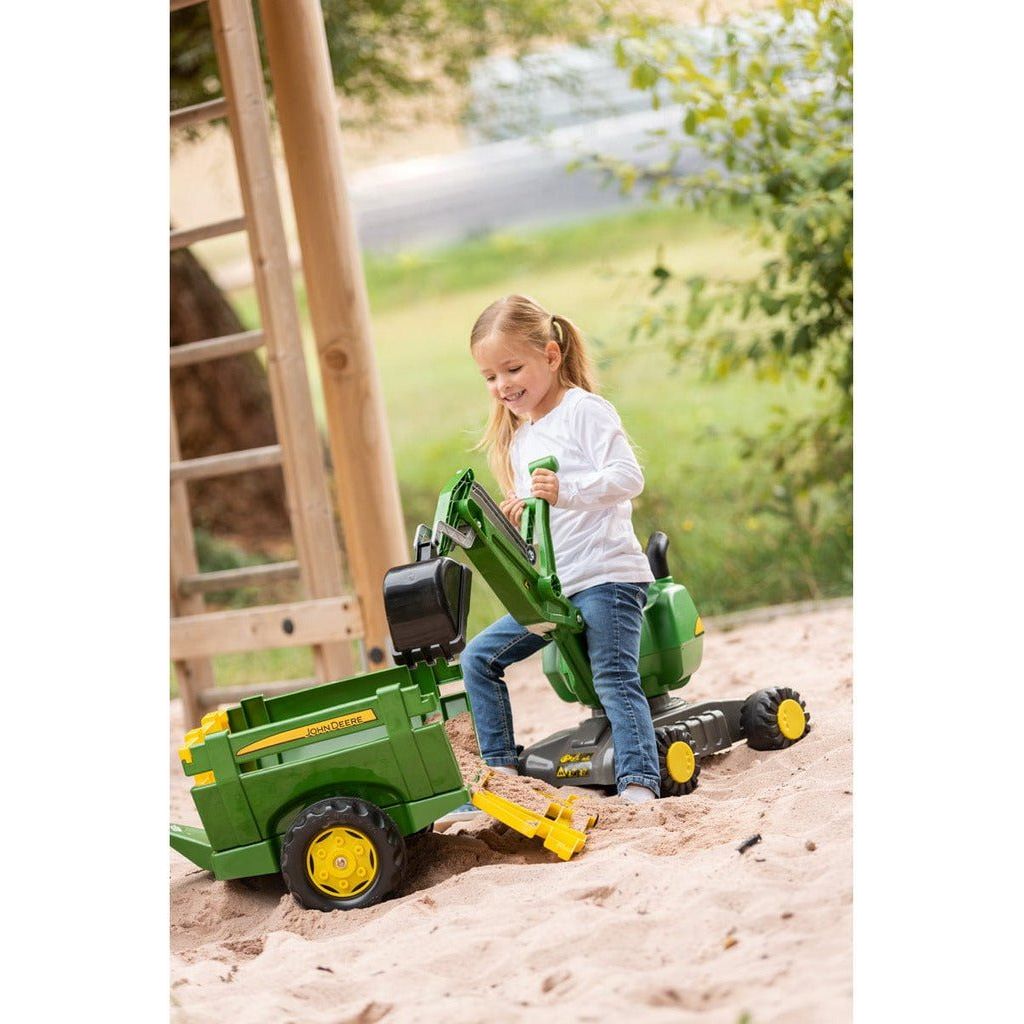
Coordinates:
column 327, row 726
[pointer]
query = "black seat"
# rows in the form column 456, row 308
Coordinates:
column 657, row 555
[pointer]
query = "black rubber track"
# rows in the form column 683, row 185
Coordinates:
column 759, row 721
column 335, row 812
column 665, row 736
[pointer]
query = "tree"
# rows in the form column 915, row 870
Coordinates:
column 766, row 103
column 380, row 49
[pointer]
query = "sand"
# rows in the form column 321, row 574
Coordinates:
column 658, row 919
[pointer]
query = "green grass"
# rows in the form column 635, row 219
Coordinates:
column 418, row 275
column 699, row 490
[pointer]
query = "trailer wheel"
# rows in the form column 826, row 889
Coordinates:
column 341, row 854
column 677, row 760
column 774, row 719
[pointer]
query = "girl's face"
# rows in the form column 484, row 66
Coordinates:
column 519, row 375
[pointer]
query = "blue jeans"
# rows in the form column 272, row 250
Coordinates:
column 613, row 612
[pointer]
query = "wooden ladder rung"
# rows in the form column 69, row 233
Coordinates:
column 226, row 463
column 233, row 579
column 184, row 237
column 233, row 694
column 215, row 348
column 177, row 5
column 199, row 113
column 325, row 620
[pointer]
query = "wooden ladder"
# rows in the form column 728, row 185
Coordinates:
column 328, row 619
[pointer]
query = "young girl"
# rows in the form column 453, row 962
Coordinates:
column 539, row 376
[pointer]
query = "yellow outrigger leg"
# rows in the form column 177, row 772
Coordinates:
column 555, row 826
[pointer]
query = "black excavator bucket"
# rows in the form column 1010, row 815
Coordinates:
column 427, row 604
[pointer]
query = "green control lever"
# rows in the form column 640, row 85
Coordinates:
column 536, row 524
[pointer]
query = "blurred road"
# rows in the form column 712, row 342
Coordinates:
column 513, row 183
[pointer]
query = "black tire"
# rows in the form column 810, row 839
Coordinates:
column 384, row 856
column 666, row 736
column 759, row 719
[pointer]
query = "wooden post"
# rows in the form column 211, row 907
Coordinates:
column 234, row 35
column 367, row 488
column 194, row 674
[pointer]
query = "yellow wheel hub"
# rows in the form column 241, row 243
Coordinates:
column 342, row 862
column 680, row 762
column 791, row 718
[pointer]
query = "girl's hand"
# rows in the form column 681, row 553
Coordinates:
column 513, row 507
column 544, row 484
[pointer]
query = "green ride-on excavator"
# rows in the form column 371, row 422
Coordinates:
column 520, row 568
column 325, row 784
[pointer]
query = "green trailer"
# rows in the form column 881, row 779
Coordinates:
column 324, row 784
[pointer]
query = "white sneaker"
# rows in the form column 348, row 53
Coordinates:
column 634, row 794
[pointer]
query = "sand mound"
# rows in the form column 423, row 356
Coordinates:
column 660, row 918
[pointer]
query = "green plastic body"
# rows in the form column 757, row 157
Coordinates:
column 670, row 646
column 379, row 737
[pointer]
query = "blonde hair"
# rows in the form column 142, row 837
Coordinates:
column 525, row 320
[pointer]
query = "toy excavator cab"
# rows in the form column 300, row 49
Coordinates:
column 427, row 605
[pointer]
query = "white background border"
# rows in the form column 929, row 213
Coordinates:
column 938, row 510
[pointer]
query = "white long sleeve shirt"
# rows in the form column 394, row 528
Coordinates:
column 598, row 476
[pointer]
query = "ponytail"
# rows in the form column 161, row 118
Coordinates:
column 576, row 370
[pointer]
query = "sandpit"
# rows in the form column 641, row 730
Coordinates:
column 658, row 919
